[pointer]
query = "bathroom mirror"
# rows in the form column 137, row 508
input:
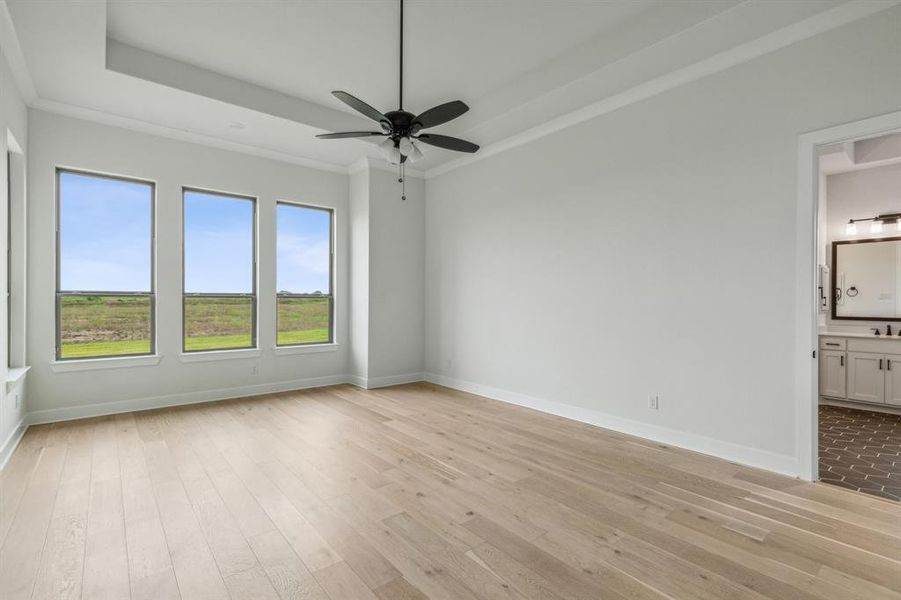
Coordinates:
column 866, row 275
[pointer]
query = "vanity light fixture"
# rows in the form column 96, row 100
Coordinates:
column 877, row 223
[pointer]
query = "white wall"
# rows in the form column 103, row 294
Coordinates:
column 61, row 141
column 650, row 250
column 387, row 277
column 397, row 278
column 13, row 120
column 858, row 195
column 359, row 274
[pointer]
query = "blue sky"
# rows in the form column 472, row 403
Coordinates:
column 302, row 249
column 105, row 229
column 105, row 232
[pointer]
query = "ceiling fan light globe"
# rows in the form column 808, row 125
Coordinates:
column 415, row 155
column 386, row 147
column 405, row 146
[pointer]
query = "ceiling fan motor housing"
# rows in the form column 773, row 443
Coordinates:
column 402, row 124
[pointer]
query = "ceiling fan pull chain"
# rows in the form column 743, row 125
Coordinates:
column 402, row 179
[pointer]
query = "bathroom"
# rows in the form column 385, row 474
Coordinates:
column 859, row 292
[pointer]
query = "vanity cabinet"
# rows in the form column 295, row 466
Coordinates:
column 832, row 374
column 893, row 380
column 861, row 369
column 866, row 377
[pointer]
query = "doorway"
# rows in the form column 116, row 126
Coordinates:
column 846, row 428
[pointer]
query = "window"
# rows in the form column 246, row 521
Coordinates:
column 304, row 275
column 104, row 279
column 219, row 271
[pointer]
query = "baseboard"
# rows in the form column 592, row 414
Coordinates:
column 370, row 383
column 54, row 415
column 377, row 382
column 745, row 455
column 880, row 408
column 12, row 442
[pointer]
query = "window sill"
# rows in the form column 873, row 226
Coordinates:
column 308, row 349
column 14, row 377
column 93, row 364
column 211, row 355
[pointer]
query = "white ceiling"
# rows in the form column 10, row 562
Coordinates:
column 196, row 68
column 454, row 49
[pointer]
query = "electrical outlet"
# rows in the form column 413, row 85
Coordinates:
column 654, row 402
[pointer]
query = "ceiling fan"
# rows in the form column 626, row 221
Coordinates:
column 402, row 129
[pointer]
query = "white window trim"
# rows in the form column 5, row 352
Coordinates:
column 105, row 362
column 212, row 355
column 305, row 349
column 14, row 377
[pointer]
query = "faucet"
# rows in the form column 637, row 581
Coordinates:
column 888, row 329
column 875, row 330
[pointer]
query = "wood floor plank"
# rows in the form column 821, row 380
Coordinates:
column 286, row 572
column 62, row 563
column 415, row 492
column 106, row 553
column 20, row 555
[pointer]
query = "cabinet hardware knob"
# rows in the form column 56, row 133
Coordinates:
column 880, row 364
column 841, row 360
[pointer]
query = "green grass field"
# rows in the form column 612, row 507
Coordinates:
column 95, row 326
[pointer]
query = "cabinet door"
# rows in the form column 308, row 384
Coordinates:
column 866, row 377
column 893, row 379
column 832, row 374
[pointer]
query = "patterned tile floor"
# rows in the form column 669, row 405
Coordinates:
column 861, row 450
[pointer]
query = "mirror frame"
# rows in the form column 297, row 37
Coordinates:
column 834, row 272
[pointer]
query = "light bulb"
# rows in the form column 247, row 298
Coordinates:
column 416, row 155
column 405, row 146
column 395, row 157
column 876, row 227
column 851, row 228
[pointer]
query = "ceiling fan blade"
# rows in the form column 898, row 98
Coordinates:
column 441, row 114
column 348, row 134
column 360, row 106
column 447, row 142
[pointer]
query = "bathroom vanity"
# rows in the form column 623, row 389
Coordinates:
column 861, row 368
column 866, row 293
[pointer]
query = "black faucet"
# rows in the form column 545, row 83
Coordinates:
column 888, row 329
column 875, row 330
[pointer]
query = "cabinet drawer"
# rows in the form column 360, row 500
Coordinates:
column 881, row 345
column 832, row 343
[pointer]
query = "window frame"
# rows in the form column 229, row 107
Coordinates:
column 331, row 276
column 59, row 293
column 254, row 302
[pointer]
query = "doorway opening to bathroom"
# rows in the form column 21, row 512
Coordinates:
column 854, row 408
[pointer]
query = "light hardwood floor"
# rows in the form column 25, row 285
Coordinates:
column 416, row 492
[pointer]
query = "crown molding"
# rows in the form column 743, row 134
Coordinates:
column 781, row 38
